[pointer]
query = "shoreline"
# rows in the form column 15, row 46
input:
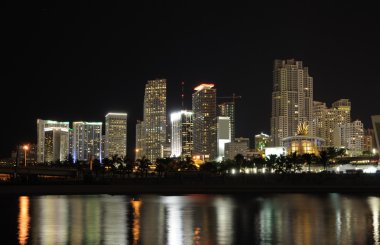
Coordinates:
column 165, row 189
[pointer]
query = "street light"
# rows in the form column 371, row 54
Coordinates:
column 25, row 147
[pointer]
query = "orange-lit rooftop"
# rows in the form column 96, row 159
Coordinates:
column 204, row 86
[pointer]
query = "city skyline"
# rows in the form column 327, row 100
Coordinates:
column 232, row 49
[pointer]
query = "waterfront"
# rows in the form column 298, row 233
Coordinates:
column 191, row 219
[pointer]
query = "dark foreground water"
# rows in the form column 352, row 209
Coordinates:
column 191, row 219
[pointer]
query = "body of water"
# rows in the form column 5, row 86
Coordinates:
column 190, row 219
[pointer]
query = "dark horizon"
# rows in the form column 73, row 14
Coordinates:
column 78, row 63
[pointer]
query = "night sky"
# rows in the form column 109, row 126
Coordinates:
column 79, row 62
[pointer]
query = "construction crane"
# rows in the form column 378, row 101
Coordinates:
column 233, row 97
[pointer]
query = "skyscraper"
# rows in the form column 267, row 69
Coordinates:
column 87, row 141
column 204, row 109
column 52, row 140
column 116, row 134
column 182, row 133
column 292, row 99
column 227, row 109
column 155, row 136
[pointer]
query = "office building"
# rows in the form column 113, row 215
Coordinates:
column 223, row 126
column 116, row 135
column 351, row 137
column 155, row 135
column 239, row 146
column 227, row 109
column 139, row 139
column 181, row 133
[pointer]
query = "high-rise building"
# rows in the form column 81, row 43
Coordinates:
column 182, row 133
column 71, row 142
column 204, row 109
column 155, row 136
column 292, row 99
column 261, row 141
column 350, row 136
column 376, row 128
column 325, row 120
column 227, row 109
column 223, row 126
column 52, row 140
column 87, row 141
column 116, row 134
column 139, row 139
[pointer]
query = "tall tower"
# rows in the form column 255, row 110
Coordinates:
column 116, row 135
column 292, row 99
column 52, row 140
column 227, row 109
column 155, row 119
column 204, row 109
column 87, row 140
column 182, row 133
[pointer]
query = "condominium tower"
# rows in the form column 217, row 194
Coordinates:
column 52, row 140
column 292, row 99
column 87, row 141
column 116, row 134
column 155, row 136
column 205, row 132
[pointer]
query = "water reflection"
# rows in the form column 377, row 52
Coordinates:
column 23, row 220
column 199, row 219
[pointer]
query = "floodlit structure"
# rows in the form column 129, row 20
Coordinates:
column 376, row 128
column 238, row 146
column 261, row 141
column 116, row 134
column 223, row 135
column 52, row 140
column 292, row 99
column 87, row 141
column 155, row 136
column 204, row 109
column 227, row 109
column 181, row 133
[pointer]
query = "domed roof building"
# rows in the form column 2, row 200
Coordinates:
column 303, row 143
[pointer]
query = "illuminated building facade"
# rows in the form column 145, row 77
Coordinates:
column 292, row 99
column 204, row 109
column 351, row 137
column 155, row 136
column 376, row 128
column 223, row 126
column 52, row 140
column 227, row 109
column 326, row 120
column 261, row 141
column 87, row 141
column 302, row 143
column 31, row 154
column 182, row 133
column 116, row 135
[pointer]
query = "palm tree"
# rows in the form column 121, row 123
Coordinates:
column 271, row 162
column 324, row 159
column 307, row 158
column 239, row 160
column 129, row 165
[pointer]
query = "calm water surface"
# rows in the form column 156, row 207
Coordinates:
column 191, row 219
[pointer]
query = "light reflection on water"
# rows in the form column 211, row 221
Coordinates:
column 199, row 219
